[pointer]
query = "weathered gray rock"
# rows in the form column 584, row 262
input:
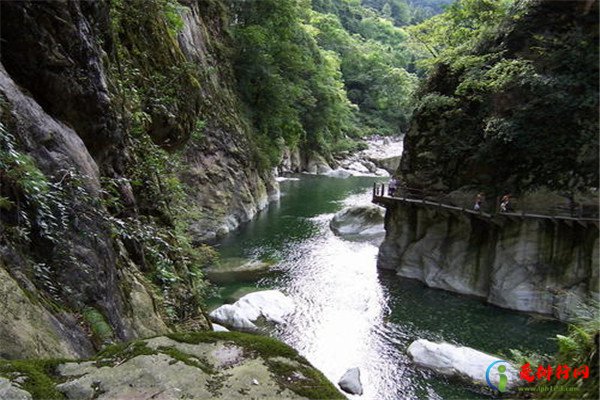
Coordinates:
column 317, row 164
column 350, row 382
column 10, row 391
column 206, row 365
column 390, row 164
column 529, row 265
column 461, row 362
column 272, row 305
column 25, row 322
column 370, row 166
column 365, row 221
column 224, row 181
column 88, row 261
column 384, row 153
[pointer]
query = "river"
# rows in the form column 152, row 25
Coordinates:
column 349, row 314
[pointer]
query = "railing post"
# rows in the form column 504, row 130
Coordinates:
column 374, row 189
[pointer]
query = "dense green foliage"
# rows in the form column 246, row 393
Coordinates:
column 579, row 348
column 406, row 12
column 456, row 31
column 314, row 74
column 375, row 60
column 511, row 102
column 291, row 86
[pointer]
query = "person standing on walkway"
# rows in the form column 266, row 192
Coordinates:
column 393, row 185
column 478, row 201
column 505, row 205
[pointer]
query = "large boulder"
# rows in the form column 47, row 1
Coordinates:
column 317, row 165
column 461, row 362
column 272, row 305
column 201, row 365
column 350, row 382
column 359, row 221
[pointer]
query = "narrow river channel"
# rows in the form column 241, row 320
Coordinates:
column 349, row 314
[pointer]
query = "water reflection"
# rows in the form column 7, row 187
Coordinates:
column 349, row 314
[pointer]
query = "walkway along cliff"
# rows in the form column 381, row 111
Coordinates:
column 515, row 112
column 527, row 262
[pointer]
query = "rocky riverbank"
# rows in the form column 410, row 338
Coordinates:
column 380, row 158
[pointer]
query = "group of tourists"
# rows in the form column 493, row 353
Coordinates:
column 505, row 202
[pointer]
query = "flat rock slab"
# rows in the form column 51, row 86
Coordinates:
column 213, row 366
column 462, row 362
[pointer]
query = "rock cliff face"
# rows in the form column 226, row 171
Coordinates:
column 224, row 181
column 500, row 118
column 112, row 114
column 529, row 265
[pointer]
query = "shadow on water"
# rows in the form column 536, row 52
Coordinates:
column 350, row 314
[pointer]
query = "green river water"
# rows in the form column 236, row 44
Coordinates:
column 349, row 314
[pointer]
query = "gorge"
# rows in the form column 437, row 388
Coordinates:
column 162, row 158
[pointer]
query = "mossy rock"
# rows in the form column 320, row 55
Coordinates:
column 221, row 365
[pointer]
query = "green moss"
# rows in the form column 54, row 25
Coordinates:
column 100, row 328
column 263, row 346
column 192, row 361
column 40, row 380
column 315, row 386
column 121, row 352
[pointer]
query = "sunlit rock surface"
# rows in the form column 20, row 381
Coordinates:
column 359, row 221
column 461, row 362
column 272, row 305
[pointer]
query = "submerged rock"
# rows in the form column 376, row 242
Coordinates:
column 461, row 362
column 350, row 382
column 272, row 305
column 365, row 221
column 237, row 269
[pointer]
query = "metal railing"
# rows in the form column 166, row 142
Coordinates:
column 567, row 210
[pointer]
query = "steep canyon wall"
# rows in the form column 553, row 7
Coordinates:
column 113, row 115
column 533, row 265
